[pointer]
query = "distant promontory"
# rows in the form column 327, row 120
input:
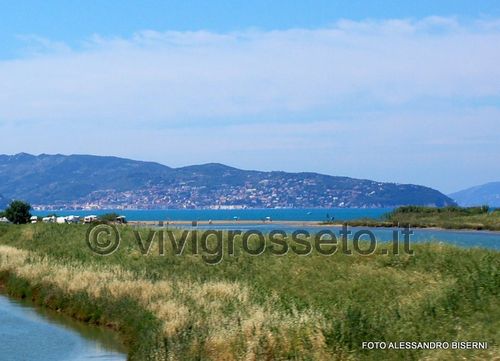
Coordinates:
column 83, row 181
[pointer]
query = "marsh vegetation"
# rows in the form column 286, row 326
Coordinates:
column 474, row 218
column 260, row 308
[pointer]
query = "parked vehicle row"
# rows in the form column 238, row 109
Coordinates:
column 73, row 219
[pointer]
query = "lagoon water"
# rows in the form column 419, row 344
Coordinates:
column 462, row 238
column 32, row 334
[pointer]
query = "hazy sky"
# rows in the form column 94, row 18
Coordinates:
column 368, row 89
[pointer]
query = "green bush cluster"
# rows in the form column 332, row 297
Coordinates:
column 454, row 210
column 18, row 212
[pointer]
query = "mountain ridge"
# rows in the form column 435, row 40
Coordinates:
column 483, row 194
column 81, row 180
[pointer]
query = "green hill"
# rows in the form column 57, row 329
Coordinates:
column 73, row 180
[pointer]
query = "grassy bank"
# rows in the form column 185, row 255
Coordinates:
column 268, row 307
column 475, row 218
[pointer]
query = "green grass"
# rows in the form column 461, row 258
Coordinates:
column 442, row 293
column 476, row 218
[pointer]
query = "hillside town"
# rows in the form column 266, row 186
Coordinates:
column 276, row 193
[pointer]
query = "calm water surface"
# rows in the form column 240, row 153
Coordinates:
column 296, row 214
column 34, row 334
column 462, row 238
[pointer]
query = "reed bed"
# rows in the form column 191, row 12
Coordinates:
column 261, row 308
column 236, row 326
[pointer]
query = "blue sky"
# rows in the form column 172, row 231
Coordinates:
column 73, row 21
column 387, row 90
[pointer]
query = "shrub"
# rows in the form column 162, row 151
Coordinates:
column 18, row 212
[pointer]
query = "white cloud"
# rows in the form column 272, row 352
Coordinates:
column 175, row 76
column 356, row 98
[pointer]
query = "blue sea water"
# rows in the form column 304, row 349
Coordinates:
column 279, row 214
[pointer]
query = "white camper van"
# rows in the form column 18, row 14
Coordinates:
column 90, row 219
column 73, row 219
column 51, row 219
column 61, row 220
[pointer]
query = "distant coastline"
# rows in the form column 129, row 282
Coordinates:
column 97, row 182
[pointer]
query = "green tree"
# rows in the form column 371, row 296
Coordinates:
column 18, row 212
